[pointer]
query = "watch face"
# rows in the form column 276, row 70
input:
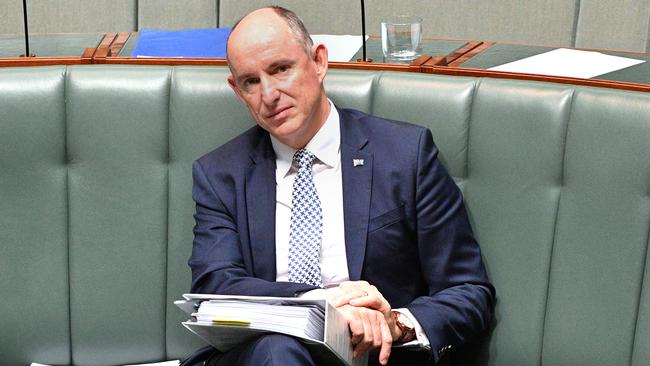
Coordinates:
column 405, row 320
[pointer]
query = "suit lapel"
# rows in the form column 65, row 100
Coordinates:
column 260, row 206
column 356, row 167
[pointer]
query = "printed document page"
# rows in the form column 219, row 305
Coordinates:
column 226, row 321
column 340, row 48
column 569, row 63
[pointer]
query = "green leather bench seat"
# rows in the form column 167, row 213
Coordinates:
column 96, row 210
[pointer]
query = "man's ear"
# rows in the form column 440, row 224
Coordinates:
column 319, row 56
column 233, row 86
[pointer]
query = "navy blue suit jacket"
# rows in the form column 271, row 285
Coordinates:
column 406, row 228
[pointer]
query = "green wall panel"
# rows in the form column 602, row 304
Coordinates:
column 618, row 25
column 330, row 17
column 81, row 16
column 171, row 14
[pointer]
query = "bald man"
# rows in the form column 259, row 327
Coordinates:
column 318, row 201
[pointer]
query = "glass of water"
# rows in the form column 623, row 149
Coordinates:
column 401, row 36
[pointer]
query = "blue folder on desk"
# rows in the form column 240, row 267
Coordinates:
column 209, row 42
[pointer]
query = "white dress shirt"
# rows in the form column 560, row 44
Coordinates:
column 326, row 146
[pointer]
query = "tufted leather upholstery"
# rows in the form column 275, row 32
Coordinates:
column 96, row 210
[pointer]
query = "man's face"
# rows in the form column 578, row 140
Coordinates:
column 276, row 79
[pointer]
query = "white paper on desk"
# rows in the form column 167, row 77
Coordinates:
column 569, row 63
column 145, row 56
column 164, row 363
column 340, row 48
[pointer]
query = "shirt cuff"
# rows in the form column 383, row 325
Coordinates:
column 421, row 340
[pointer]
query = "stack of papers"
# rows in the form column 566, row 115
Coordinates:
column 225, row 321
column 304, row 321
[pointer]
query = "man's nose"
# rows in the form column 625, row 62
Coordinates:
column 270, row 92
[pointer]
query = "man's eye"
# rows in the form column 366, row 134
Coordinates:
column 251, row 82
column 283, row 68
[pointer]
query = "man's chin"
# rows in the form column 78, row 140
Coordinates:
column 283, row 127
column 290, row 137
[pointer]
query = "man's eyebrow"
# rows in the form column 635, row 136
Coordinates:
column 271, row 66
column 281, row 62
column 243, row 77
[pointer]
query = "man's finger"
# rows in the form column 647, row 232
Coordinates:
column 373, row 301
column 387, row 342
column 356, row 329
column 344, row 297
column 353, row 284
column 377, row 331
column 362, row 345
column 368, row 301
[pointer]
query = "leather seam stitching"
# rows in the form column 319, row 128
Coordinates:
column 168, row 158
column 641, row 291
column 67, row 200
column 477, row 84
column 555, row 226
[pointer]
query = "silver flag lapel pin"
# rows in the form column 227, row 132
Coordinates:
column 357, row 162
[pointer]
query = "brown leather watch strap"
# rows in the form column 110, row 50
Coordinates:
column 408, row 330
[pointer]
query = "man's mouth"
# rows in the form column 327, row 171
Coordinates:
column 279, row 113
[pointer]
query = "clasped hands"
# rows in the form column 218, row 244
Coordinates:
column 369, row 318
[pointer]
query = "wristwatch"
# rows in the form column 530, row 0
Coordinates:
column 405, row 324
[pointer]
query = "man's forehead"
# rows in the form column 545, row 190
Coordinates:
column 260, row 41
column 261, row 26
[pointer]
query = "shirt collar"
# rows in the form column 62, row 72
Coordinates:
column 325, row 145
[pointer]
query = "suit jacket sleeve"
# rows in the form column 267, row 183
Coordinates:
column 460, row 299
column 219, row 259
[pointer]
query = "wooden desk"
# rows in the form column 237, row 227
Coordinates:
column 49, row 49
column 636, row 77
column 436, row 52
column 444, row 57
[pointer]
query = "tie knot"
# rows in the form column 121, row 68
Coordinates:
column 304, row 158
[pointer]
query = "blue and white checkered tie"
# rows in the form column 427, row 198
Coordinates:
column 306, row 224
